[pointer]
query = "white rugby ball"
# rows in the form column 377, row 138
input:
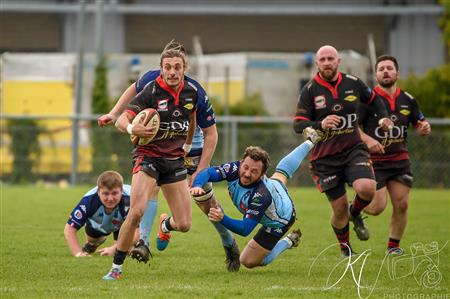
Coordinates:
column 148, row 117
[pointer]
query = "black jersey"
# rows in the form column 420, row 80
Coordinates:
column 403, row 109
column 319, row 98
column 175, row 111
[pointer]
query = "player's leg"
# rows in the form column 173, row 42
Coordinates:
column 340, row 218
column 141, row 185
column 266, row 247
column 360, row 175
column 289, row 164
column 399, row 194
column 93, row 239
column 378, row 203
column 232, row 253
column 141, row 250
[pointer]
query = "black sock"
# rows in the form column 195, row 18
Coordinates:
column 119, row 257
column 393, row 243
column 167, row 224
column 358, row 205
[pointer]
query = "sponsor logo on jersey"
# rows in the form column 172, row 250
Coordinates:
column 320, row 102
column 163, row 105
column 226, row 167
column 405, row 112
column 350, row 98
column 337, row 107
column 116, row 222
column 189, row 106
column 188, row 100
column 83, row 208
column 329, row 179
column 77, row 214
column 363, row 164
column 176, row 113
column 394, row 117
column 349, row 91
column 235, row 168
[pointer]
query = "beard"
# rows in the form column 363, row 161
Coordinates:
column 387, row 83
column 328, row 74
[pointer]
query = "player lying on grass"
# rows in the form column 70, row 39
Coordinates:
column 101, row 211
column 260, row 199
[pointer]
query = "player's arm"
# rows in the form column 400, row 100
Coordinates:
column 305, row 110
column 371, row 98
column 241, row 227
column 210, row 174
column 190, row 135
column 70, row 233
column 423, row 127
column 374, row 146
column 119, row 107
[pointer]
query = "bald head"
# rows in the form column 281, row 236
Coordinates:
column 327, row 62
column 327, row 50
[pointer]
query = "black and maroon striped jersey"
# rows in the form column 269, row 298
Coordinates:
column 319, row 98
column 175, row 111
column 403, row 109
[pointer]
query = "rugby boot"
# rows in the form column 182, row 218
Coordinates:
column 141, row 252
column 313, row 135
column 232, row 257
column 347, row 251
column 113, row 274
column 294, row 237
column 394, row 251
column 361, row 230
column 162, row 239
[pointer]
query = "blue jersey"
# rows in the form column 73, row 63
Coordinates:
column 204, row 113
column 267, row 201
column 90, row 211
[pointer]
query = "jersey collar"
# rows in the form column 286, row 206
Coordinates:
column 175, row 95
column 331, row 88
column 391, row 100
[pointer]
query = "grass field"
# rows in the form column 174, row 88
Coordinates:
column 36, row 263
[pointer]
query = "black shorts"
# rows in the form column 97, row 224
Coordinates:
column 93, row 233
column 163, row 170
column 331, row 173
column 268, row 237
column 399, row 171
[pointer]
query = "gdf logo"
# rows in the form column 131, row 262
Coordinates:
column 394, row 133
column 347, row 121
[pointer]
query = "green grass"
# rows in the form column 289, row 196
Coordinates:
column 36, row 263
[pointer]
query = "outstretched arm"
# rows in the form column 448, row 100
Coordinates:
column 118, row 108
column 242, row 227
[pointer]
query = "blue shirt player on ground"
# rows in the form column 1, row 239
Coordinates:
column 101, row 211
column 260, row 199
column 199, row 157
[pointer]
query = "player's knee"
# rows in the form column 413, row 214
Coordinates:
column 135, row 215
column 184, row 226
column 374, row 211
column 401, row 206
column 248, row 263
column 367, row 191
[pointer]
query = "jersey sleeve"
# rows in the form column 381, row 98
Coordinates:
column 304, row 116
column 204, row 112
column 79, row 215
column 416, row 114
column 141, row 101
column 364, row 112
column 371, row 98
column 145, row 79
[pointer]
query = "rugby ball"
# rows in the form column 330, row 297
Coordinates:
column 150, row 118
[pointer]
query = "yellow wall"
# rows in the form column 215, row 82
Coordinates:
column 43, row 98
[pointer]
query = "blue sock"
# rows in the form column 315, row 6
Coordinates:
column 145, row 227
column 291, row 162
column 225, row 235
column 281, row 246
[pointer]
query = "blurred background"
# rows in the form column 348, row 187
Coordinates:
column 64, row 63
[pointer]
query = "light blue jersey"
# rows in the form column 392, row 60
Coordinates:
column 90, row 211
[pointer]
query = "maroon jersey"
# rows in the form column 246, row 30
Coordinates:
column 403, row 109
column 175, row 111
column 319, row 98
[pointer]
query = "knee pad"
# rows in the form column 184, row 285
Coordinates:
column 209, row 193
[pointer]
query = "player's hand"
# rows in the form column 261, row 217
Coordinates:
column 330, row 122
column 107, row 251
column 197, row 191
column 142, row 131
column 106, row 119
column 386, row 124
column 423, row 127
column 215, row 214
column 82, row 254
column 374, row 146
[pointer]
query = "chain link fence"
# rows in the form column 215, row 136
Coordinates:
column 52, row 159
